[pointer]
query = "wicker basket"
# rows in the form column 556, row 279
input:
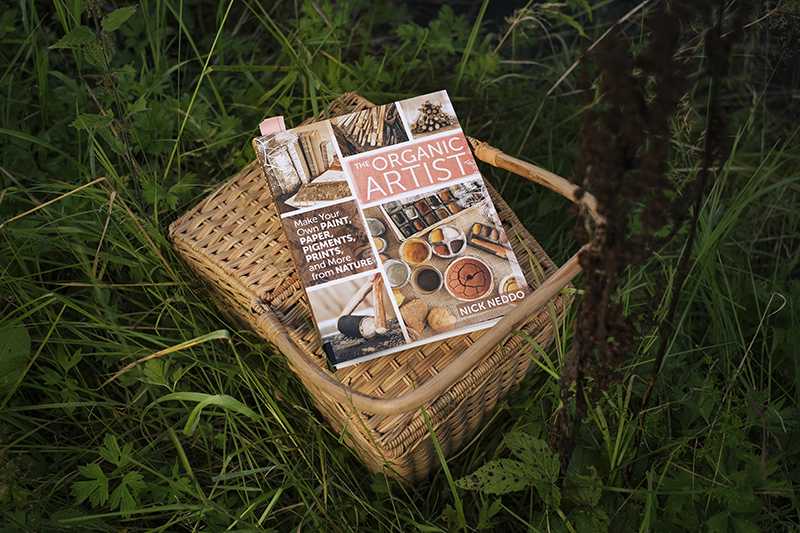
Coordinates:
column 234, row 240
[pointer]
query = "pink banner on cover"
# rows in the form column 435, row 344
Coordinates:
column 414, row 165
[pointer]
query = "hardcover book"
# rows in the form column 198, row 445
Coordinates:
column 391, row 227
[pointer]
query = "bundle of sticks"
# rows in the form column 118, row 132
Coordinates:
column 360, row 325
column 431, row 118
column 372, row 128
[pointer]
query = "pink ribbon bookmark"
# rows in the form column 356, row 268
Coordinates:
column 272, row 125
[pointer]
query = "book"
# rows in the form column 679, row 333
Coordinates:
column 391, row 227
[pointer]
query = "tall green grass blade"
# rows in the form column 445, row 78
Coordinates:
column 195, row 93
column 454, row 491
column 471, row 42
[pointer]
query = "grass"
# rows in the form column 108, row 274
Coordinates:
column 216, row 433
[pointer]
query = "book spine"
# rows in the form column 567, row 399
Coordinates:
column 315, row 140
column 299, row 161
column 308, row 154
column 326, row 159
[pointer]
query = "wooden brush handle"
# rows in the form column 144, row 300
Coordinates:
column 357, row 298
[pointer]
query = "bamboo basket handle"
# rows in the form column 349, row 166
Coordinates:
column 554, row 182
column 445, row 379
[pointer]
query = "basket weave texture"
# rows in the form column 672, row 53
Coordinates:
column 233, row 239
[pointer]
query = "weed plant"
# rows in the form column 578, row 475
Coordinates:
column 116, row 119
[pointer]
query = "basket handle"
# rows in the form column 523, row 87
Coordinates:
column 445, row 379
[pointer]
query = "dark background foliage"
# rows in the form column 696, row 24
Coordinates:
column 676, row 407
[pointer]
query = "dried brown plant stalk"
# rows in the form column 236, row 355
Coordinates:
column 622, row 160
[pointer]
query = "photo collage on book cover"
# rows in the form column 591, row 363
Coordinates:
column 392, row 228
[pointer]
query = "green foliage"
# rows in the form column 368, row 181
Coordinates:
column 15, row 353
column 95, row 489
column 114, row 20
column 76, row 37
column 552, row 11
column 537, row 467
column 150, row 107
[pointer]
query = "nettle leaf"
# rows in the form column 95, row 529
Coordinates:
column 497, row 477
column 138, row 106
column 117, row 18
column 156, row 193
column 77, row 36
column 15, row 353
column 95, row 490
column 92, row 121
column 114, row 142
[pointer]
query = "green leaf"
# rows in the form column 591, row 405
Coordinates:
column 740, row 525
column 92, row 121
column 485, row 514
column 534, row 452
column 110, row 451
column 548, row 492
column 423, row 528
column 584, row 489
column 450, row 515
column 65, row 518
column 563, row 17
column 587, row 7
column 582, row 3
column 134, row 480
column 541, row 465
column 718, row 523
column 66, row 361
column 117, row 18
column 122, row 497
column 245, row 68
column 155, row 371
column 595, row 520
column 77, row 36
column 497, row 477
column 15, row 353
column 138, row 106
column 96, row 489
column 220, row 400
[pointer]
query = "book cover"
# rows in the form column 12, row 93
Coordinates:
column 393, row 233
